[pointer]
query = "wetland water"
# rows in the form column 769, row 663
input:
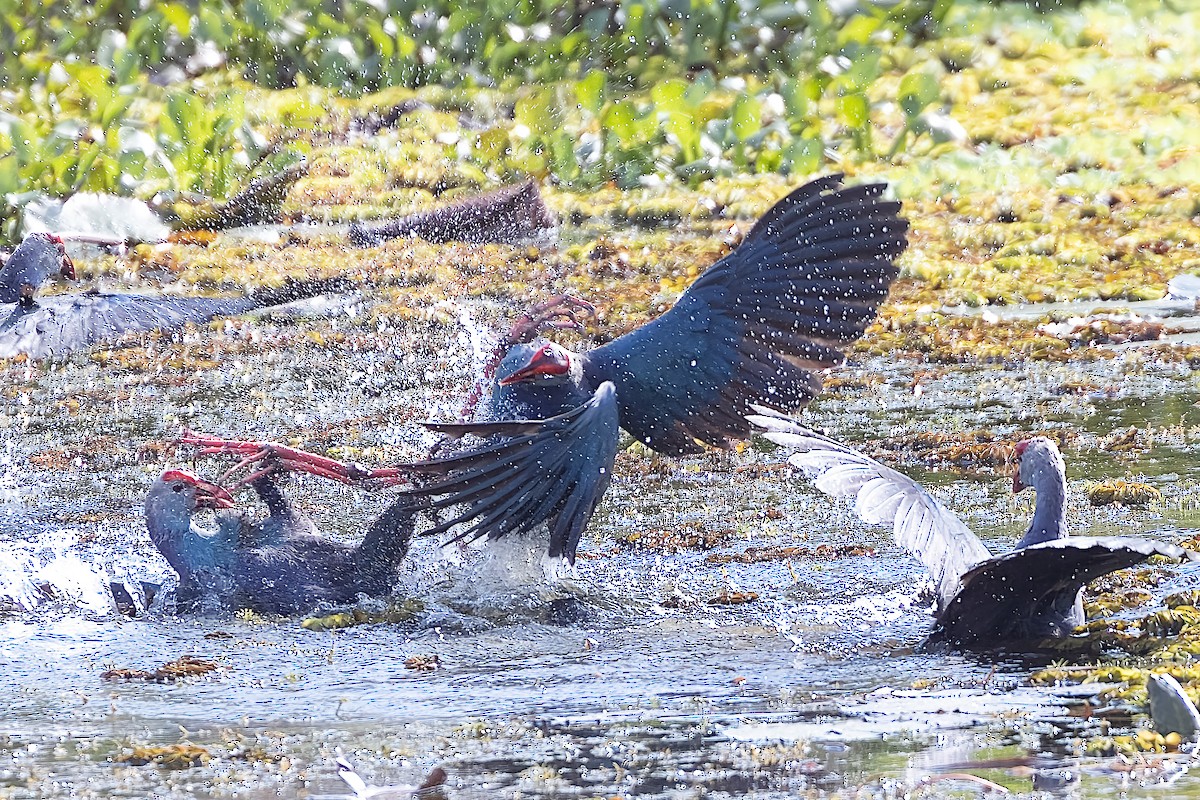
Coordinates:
column 645, row 689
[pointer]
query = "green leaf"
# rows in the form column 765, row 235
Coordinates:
column 853, row 110
column 538, row 112
column 622, row 119
column 590, row 92
column 864, row 70
column 747, row 117
column 918, row 89
column 858, row 30
column 178, row 17
column 804, row 156
column 670, row 95
column 491, row 145
column 115, row 110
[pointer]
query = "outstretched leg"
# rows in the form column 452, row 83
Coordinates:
column 560, row 312
column 265, row 458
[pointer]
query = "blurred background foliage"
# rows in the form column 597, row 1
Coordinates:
column 137, row 96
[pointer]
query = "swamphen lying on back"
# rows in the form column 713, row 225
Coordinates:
column 1031, row 593
column 278, row 565
column 756, row 327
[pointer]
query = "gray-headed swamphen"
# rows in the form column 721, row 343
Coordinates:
column 756, row 327
column 55, row 325
column 1031, row 593
column 277, row 565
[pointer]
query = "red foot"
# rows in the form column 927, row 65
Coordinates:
column 271, row 457
column 561, row 311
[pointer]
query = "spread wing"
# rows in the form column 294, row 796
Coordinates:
column 60, row 324
column 527, row 473
column 1004, row 597
column 758, row 324
column 57, row 325
column 882, row 496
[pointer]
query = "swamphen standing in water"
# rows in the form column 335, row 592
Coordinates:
column 756, row 327
column 279, row 565
column 1032, row 593
column 55, row 325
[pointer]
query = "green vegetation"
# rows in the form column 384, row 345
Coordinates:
column 1041, row 156
column 131, row 97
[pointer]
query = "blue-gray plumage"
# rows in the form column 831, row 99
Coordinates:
column 35, row 260
column 56, row 325
column 1031, row 593
column 278, row 565
column 754, row 328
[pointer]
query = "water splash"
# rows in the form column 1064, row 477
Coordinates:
column 47, row 568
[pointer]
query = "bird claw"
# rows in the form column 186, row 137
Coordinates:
column 272, row 458
column 560, row 312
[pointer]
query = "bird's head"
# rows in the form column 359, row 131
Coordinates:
column 538, row 363
column 179, row 493
column 1035, row 457
column 39, row 256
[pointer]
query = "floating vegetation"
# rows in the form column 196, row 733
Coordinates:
column 1109, row 603
column 182, row 667
column 731, row 597
column 174, row 756
column 1102, row 329
column 422, row 663
column 688, row 536
column 399, row 612
column 1144, row 741
column 1122, row 493
column 979, row 450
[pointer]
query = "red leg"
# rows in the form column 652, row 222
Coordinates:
column 271, row 457
column 560, row 311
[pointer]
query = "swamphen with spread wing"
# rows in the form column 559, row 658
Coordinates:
column 756, row 327
column 1034, row 592
column 55, row 325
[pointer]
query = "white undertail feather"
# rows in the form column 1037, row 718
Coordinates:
column 882, row 496
column 351, row 777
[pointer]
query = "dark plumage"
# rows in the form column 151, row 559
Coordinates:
column 510, row 215
column 754, row 328
column 277, row 565
column 56, row 325
column 1031, row 593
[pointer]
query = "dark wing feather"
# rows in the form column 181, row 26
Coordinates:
column 882, row 496
column 552, row 471
column 58, row 325
column 757, row 325
column 1028, row 592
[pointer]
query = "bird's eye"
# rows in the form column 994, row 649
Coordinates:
column 177, row 487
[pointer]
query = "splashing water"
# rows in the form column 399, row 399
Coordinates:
column 47, row 568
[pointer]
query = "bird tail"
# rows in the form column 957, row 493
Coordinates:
column 1032, row 594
